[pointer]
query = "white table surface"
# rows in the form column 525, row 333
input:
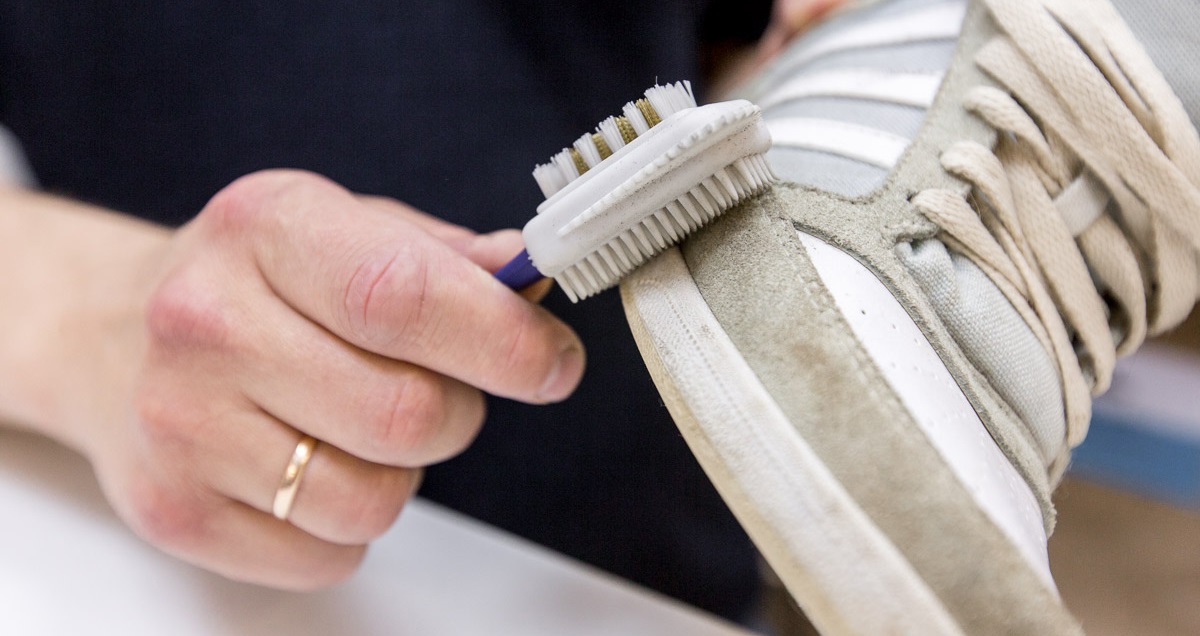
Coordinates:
column 69, row 566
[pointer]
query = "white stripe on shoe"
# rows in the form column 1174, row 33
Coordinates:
column 909, row 89
column 917, row 375
column 853, row 141
column 938, row 22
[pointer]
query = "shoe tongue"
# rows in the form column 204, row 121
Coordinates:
column 845, row 100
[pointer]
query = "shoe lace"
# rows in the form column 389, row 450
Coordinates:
column 1086, row 212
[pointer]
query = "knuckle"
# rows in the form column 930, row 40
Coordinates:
column 409, row 417
column 237, row 206
column 168, row 519
column 244, row 204
column 169, row 422
column 385, row 296
column 158, row 419
column 181, row 314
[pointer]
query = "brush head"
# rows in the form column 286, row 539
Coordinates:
column 642, row 183
column 612, row 134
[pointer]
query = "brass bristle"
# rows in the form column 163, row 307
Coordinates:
column 648, row 112
column 580, row 164
column 601, row 146
column 626, row 128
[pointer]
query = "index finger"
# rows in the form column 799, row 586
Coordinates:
column 384, row 285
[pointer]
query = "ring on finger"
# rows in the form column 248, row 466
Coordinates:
column 285, row 496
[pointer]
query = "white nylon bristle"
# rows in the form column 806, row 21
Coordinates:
column 666, row 226
column 566, row 165
column 588, row 150
column 636, row 119
column 611, row 133
column 549, row 178
column 672, row 98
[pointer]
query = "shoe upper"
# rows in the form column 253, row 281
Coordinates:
column 1021, row 176
column 912, row 322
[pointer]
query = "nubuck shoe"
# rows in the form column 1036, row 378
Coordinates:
column 883, row 362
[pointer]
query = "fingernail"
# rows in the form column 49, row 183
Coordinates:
column 565, row 375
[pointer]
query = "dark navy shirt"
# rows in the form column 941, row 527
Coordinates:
column 151, row 107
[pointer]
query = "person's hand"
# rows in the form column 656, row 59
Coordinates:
column 290, row 307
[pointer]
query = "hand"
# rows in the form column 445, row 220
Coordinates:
column 290, row 307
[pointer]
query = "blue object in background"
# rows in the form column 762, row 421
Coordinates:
column 1141, row 457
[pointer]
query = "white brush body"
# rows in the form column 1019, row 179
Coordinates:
column 662, row 186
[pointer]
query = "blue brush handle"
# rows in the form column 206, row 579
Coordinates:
column 519, row 273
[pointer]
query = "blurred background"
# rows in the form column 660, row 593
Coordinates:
column 1126, row 553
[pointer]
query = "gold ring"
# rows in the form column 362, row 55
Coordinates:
column 286, row 495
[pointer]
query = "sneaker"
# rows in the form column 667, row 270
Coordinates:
column 883, row 362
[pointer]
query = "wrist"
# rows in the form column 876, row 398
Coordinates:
column 70, row 314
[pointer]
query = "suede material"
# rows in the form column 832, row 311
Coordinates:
column 871, row 227
column 757, row 280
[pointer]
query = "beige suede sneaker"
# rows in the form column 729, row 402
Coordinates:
column 883, row 363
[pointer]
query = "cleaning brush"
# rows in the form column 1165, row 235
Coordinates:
column 637, row 185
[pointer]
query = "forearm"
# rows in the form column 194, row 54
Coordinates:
column 72, row 274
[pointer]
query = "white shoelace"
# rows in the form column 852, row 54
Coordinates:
column 1089, row 203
